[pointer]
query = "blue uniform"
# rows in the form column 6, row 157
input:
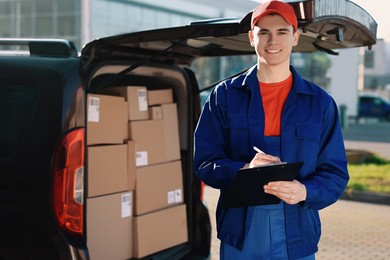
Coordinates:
column 232, row 122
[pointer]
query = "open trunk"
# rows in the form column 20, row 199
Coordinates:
column 181, row 82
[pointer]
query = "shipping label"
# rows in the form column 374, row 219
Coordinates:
column 141, row 158
column 126, row 205
column 142, row 100
column 93, row 109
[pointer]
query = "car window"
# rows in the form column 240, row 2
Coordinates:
column 378, row 102
column 313, row 66
column 214, row 69
column 211, row 70
column 365, row 100
column 372, row 101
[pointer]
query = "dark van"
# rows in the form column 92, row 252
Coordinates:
column 50, row 204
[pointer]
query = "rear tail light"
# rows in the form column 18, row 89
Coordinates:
column 68, row 182
column 201, row 190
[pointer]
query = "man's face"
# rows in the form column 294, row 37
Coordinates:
column 273, row 39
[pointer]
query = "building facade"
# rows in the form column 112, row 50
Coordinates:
column 84, row 20
column 41, row 19
column 377, row 68
column 81, row 21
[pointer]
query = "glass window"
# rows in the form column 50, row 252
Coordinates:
column 369, row 59
column 66, row 25
column 162, row 19
column 5, row 8
column 234, row 65
column 177, row 20
column 44, row 26
column 44, row 6
column 26, row 25
column 378, row 102
column 116, row 21
column 26, row 8
column 133, row 18
column 211, row 70
column 117, row 11
column 151, row 18
column 67, row 6
column 205, row 72
column 99, row 7
column 6, row 27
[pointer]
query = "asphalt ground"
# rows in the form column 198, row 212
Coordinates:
column 350, row 229
column 370, row 134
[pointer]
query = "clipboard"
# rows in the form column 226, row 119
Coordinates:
column 247, row 187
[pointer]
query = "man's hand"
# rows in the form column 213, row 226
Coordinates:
column 291, row 192
column 263, row 159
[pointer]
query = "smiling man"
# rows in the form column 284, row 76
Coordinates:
column 271, row 107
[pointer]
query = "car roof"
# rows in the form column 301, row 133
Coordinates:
column 59, row 48
column 324, row 26
column 373, row 95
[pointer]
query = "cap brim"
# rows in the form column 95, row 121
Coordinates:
column 272, row 11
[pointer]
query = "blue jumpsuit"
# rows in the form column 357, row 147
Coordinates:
column 232, row 121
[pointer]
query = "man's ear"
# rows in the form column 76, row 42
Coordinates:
column 296, row 35
column 250, row 36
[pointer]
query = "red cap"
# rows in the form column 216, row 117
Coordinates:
column 275, row 7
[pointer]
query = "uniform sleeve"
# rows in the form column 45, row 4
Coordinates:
column 330, row 179
column 211, row 148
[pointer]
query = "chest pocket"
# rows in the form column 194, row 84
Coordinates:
column 308, row 131
column 238, row 136
column 306, row 147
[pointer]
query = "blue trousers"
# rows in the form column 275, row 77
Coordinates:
column 266, row 238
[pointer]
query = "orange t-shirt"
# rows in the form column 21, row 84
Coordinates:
column 274, row 96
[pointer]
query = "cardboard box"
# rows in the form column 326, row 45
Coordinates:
column 160, row 96
column 157, row 139
column 107, row 169
column 131, row 168
column 171, row 132
column 149, row 138
column 110, row 226
column 105, row 120
column 160, row 230
column 136, row 97
column 125, row 120
column 155, row 112
column 157, row 187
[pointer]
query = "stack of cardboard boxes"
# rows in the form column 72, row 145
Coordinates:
column 135, row 204
column 109, row 198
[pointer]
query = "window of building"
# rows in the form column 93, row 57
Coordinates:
column 44, row 26
column 44, row 6
column 66, row 25
column 369, row 59
column 116, row 17
column 41, row 18
column 6, row 8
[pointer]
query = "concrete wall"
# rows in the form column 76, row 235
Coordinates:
column 344, row 79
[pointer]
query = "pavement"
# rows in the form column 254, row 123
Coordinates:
column 354, row 227
column 350, row 230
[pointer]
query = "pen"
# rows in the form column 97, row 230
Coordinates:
column 258, row 150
